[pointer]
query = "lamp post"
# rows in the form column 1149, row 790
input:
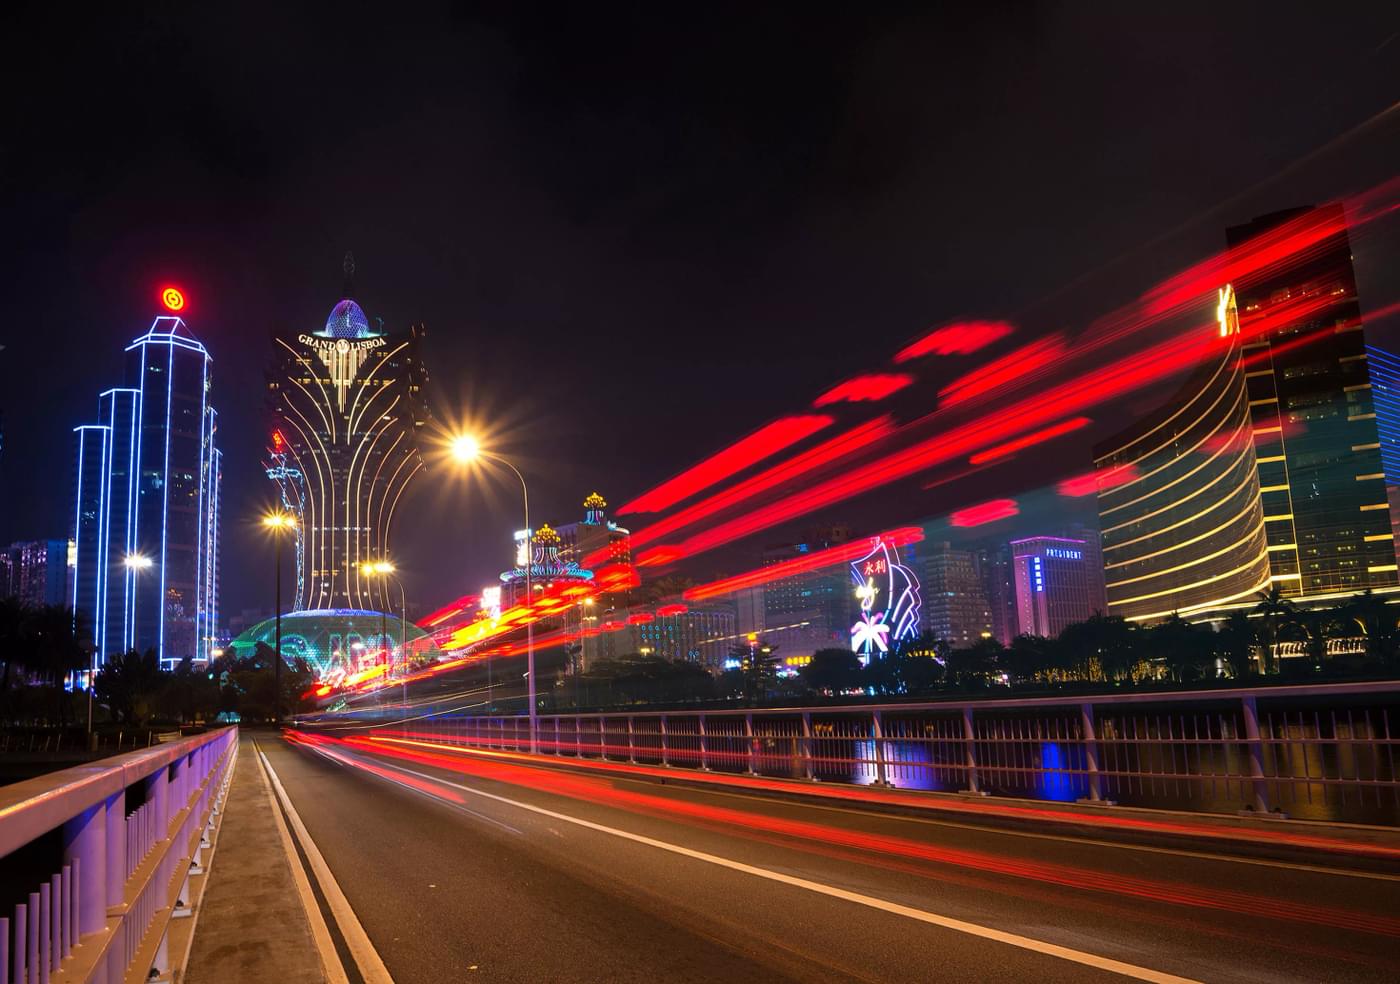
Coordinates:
column 279, row 523
column 466, row 449
column 135, row 563
column 384, row 569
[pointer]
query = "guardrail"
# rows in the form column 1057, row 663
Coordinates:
column 131, row 832
column 1322, row 752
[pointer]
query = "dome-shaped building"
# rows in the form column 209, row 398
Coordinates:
column 347, row 320
column 338, row 642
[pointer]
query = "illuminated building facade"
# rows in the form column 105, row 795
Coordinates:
column 338, row 644
column 147, row 483
column 956, row 609
column 1184, row 532
column 36, row 572
column 696, row 634
column 813, row 610
column 1385, row 392
column 1317, row 443
column 888, row 594
column 547, row 568
column 595, row 541
column 1053, row 584
column 348, row 408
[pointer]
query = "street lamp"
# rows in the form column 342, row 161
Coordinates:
column 279, row 523
column 135, row 563
column 384, row 569
column 467, row 449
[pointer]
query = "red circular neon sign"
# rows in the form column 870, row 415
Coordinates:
column 172, row 299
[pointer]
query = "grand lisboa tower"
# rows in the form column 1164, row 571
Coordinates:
column 348, row 409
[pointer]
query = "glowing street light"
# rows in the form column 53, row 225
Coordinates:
column 467, row 449
column 385, row 569
column 278, row 523
column 137, row 562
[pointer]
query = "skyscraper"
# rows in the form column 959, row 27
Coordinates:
column 1317, row 445
column 956, row 609
column 805, row 612
column 348, row 408
column 147, row 481
column 36, row 572
column 1179, row 500
column 1052, row 584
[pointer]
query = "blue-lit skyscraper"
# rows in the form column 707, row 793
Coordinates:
column 146, row 520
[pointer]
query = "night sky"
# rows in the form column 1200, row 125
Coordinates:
column 633, row 236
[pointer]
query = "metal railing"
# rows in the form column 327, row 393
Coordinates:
column 1322, row 752
column 132, row 829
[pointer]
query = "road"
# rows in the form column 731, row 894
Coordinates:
column 467, row 866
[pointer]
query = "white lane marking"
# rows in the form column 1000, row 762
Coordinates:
column 320, row 932
column 372, row 968
column 946, row 922
column 715, row 789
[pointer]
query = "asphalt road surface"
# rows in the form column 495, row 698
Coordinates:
column 464, row 866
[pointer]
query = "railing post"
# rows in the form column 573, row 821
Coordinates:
column 631, row 742
column 602, row 739
column 1091, row 751
column 85, row 839
column 158, row 795
column 704, row 750
column 970, row 749
column 806, row 745
column 664, row 759
column 1256, row 753
column 748, row 741
column 116, row 850
column 877, row 733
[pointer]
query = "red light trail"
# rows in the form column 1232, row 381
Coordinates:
column 875, row 386
column 1030, row 440
column 987, row 512
column 763, row 443
column 831, row 557
column 963, row 338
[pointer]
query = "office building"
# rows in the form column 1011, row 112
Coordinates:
column 1184, row 532
column 146, row 486
column 1052, row 584
column 956, row 609
column 812, row 610
column 36, row 572
column 693, row 633
column 1317, row 444
column 998, row 572
column 348, row 410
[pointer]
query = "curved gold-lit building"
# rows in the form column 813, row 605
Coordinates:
column 348, row 406
column 1179, row 500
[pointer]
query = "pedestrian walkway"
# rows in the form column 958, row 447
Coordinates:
column 253, row 926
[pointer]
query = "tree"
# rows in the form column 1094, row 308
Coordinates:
column 126, row 684
column 1101, row 647
column 1379, row 621
column 1185, row 649
column 832, row 671
column 14, row 650
column 1234, row 643
column 57, row 651
column 188, row 695
column 1274, row 611
column 758, row 664
column 976, row 664
column 1029, row 656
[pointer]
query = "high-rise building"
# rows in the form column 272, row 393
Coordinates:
column 1317, row 445
column 956, row 609
column 696, row 634
column 36, row 572
column 1179, row 500
column 1385, row 391
column 147, row 482
column 595, row 541
column 1052, row 584
column 998, row 572
column 813, row 610
column 348, row 408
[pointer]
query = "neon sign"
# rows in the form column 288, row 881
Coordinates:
column 1060, row 553
column 173, row 299
column 888, row 593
